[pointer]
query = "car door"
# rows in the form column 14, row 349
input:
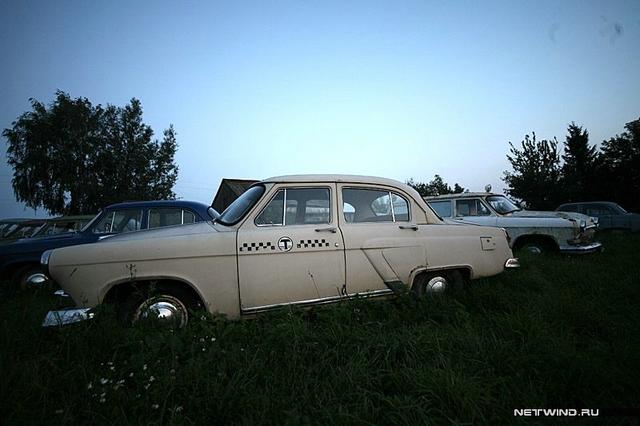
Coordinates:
column 474, row 210
column 290, row 249
column 383, row 241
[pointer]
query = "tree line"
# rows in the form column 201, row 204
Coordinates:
column 73, row 157
column 542, row 177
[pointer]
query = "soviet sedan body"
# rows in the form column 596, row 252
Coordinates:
column 287, row 240
column 610, row 215
column 535, row 231
column 20, row 260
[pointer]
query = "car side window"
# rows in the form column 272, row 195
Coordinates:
column 169, row 216
column 373, row 205
column 119, row 221
column 442, row 208
column 472, row 207
column 304, row 206
column 598, row 210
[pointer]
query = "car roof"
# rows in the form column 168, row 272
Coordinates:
column 333, row 178
column 70, row 218
column 160, row 203
column 15, row 220
column 576, row 203
column 460, row 195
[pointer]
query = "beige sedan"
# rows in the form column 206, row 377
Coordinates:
column 290, row 240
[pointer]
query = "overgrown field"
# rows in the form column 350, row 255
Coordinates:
column 559, row 332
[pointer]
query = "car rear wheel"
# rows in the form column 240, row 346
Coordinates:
column 439, row 282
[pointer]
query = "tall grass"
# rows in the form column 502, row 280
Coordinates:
column 559, row 332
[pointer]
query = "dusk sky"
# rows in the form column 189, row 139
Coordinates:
column 386, row 88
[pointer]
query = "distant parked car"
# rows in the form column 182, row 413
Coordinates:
column 535, row 231
column 8, row 225
column 23, row 229
column 62, row 225
column 610, row 215
column 20, row 260
column 288, row 240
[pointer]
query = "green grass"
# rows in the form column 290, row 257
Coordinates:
column 559, row 332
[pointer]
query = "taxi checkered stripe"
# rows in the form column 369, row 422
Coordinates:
column 312, row 243
column 257, row 246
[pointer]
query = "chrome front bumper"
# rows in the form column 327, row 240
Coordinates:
column 66, row 316
column 589, row 248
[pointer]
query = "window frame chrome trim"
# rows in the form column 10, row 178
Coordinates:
column 284, row 207
column 365, row 188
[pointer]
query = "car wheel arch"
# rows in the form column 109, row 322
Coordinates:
column 544, row 240
column 465, row 271
column 120, row 290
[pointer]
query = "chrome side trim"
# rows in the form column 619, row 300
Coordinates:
column 60, row 293
column 321, row 301
column 66, row 316
column 589, row 248
column 512, row 263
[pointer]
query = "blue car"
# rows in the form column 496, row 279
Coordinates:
column 20, row 260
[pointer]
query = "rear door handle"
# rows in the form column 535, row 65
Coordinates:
column 332, row 230
column 412, row 227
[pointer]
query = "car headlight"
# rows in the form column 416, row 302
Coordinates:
column 44, row 259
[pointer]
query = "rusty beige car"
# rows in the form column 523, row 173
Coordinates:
column 290, row 240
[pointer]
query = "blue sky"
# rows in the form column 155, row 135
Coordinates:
column 386, row 88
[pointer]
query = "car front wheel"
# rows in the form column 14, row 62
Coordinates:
column 168, row 306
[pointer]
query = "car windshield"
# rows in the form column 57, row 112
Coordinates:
column 90, row 223
column 241, row 206
column 502, row 204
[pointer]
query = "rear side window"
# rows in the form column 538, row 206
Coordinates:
column 442, row 208
column 472, row 207
column 169, row 216
column 373, row 205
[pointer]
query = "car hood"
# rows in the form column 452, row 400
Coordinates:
column 163, row 232
column 563, row 215
column 25, row 245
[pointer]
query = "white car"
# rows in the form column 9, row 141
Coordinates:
column 291, row 240
column 535, row 231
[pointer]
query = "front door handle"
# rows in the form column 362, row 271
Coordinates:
column 332, row 230
column 412, row 227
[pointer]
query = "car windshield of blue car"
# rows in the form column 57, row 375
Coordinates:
column 241, row 206
column 502, row 204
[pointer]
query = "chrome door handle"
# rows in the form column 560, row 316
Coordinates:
column 412, row 227
column 332, row 230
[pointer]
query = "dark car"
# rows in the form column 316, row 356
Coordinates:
column 62, row 225
column 8, row 225
column 23, row 229
column 20, row 260
column 610, row 215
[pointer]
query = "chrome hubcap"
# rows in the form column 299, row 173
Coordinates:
column 436, row 285
column 36, row 279
column 163, row 308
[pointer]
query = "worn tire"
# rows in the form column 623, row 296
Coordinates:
column 166, row 303
column 438, row 282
